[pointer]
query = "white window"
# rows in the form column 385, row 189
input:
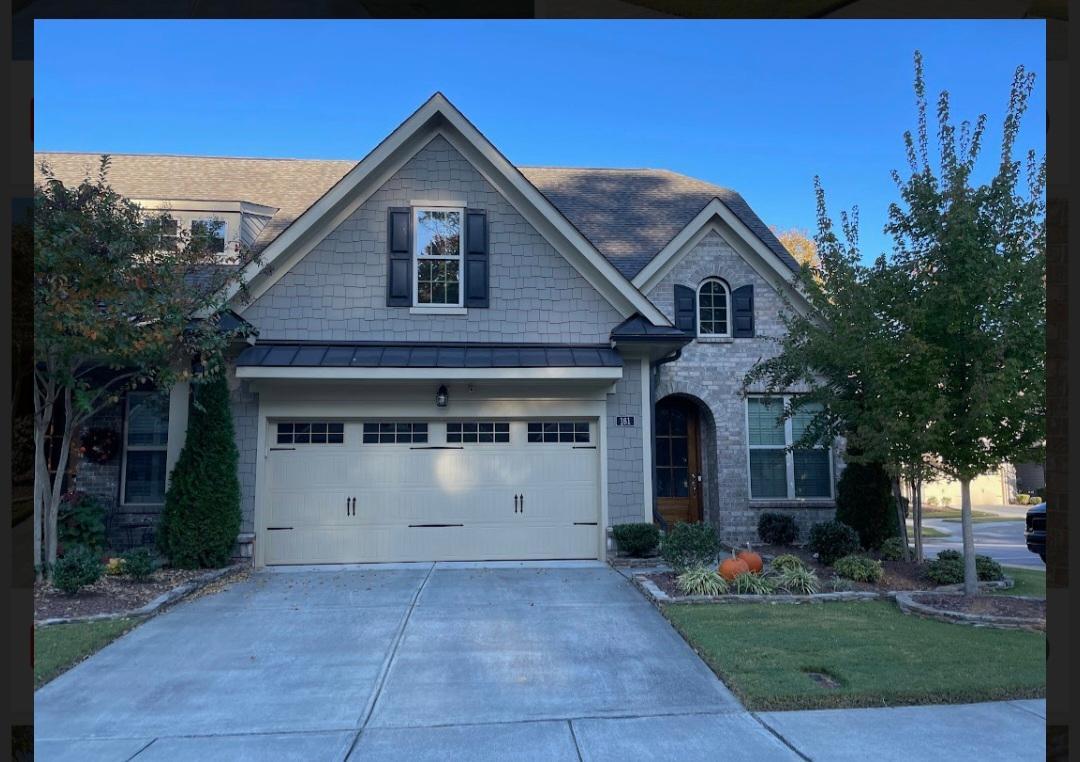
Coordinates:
column 477, row 432
column 559, row 431
column 146, row 435
column 217, row 229
column 310, row 432
column 776, row 471
column 395, row 433
column 713, row 308
column 437, row 256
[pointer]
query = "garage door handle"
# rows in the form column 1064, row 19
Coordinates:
column 515, row 503
column 523, row 503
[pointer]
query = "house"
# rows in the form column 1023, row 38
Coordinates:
column 460, row 359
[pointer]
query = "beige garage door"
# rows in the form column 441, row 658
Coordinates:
column 412, row 490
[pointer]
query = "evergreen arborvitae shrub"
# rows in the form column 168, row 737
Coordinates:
column 865, row 502
column 777, row 528
column 202, row 506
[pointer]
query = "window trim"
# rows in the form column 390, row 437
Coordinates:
column 437, row 307
column 225, row 240
column 727, row 308
column 789, row 458
column 164, row 448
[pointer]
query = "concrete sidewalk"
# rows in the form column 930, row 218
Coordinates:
column 997, row 730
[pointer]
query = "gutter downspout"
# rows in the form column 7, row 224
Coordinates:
column 654, row 372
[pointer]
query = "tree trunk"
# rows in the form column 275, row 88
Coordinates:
column 971, row 580
column 916, row 516
column 57, row 491
column 44, row 402
column 900, row 517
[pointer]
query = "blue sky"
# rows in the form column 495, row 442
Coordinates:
column 760, row 107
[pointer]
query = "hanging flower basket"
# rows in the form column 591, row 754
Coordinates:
column 100, row 445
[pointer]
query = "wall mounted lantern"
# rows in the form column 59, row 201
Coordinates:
column 442, row 396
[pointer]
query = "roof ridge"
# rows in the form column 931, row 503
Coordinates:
column 193, row 156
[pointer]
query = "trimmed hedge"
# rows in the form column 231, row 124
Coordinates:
column 79, row 567
column 948, row 568
column 777, row 528
column 202, row 506
column 832, row 540
column 859, row 568
column 636, row 539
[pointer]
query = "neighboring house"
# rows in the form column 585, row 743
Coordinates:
column 999, row 486
column 458, row 358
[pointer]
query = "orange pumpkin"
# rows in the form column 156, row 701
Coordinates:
column 753, row 560
column 730, row 568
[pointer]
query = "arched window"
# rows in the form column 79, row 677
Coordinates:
column 713, row 300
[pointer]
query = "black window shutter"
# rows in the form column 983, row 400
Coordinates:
column 476, row 259
column 399, row 258
column 686, row 309
column 742, row 310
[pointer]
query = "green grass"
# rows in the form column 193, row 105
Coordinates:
column 953, row 514
column 1029, row 582
column 929, row 532
column 878, row 655
column 59, row 647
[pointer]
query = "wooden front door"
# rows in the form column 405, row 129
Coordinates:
column 678, row 463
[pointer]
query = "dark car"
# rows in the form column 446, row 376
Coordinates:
column 1035, row 530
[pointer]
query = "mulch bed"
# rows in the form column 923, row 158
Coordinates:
column 109, row 595
column 899, row 575
column 986, row 605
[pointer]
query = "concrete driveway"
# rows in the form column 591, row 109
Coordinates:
column 417, row 661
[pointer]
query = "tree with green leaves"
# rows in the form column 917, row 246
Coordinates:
column 974, row 255
column 120, row 301
column 930, row 361
column 201, row 519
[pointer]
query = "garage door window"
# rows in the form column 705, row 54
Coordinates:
column 395, row 433
column 559, row 431
column 304, row 432
column 477, row 432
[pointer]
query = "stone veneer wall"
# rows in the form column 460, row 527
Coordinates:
column 712, row 373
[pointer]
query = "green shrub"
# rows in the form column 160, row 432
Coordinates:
column 77, row 568
column 202, row 506
column 1035, row 499
column 1023, row 499
column 685, row 546
column 987, row 569
column 865, row 502
column 945, row 570
column 932, row 502
column 859, row 568
column 777, row 528
column 946, row 501
column 893, row 549
column 701, row 580
column 787, row 561
column 841, row 585
column 139, row 564
column 831, row 540
column 948, row 568
column 81, row 521
column 748, row 583
column 636, row 539
column 798, row 580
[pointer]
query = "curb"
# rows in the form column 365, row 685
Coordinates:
column 908, row 605
column 155, row 606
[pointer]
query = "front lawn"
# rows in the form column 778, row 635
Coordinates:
column 1029, row 582
column 858, row 654
column 59, row 647
column 953, row 514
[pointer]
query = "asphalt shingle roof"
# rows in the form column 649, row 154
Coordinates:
column 629, row 215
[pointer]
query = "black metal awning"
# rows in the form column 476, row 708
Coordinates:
column 440, row 355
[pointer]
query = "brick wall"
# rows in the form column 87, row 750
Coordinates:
column 712, row 374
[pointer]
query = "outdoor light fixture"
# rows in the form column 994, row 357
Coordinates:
column 442, row 396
